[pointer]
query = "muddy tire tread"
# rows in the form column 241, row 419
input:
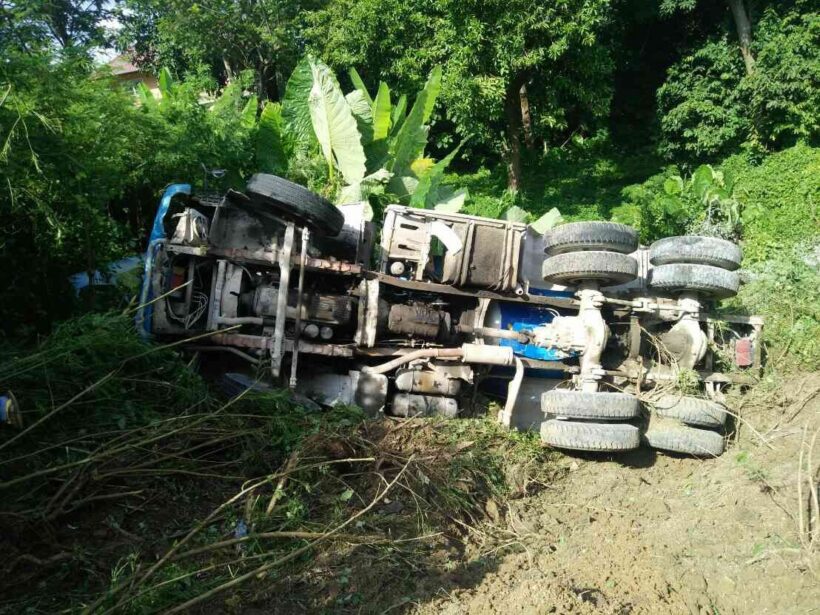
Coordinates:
column 605, row 267
column 693, row 411
column 599, row 437
column 705, row 279
column 602, row 405
column 696, row 250
column 580, row 236
column 686, row 440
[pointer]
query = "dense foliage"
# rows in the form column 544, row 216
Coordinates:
column 81, row 166
column 709, row 105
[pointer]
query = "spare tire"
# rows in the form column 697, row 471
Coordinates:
column 704, row 279
column 296, row 202
column 601, row 405
column 605, row 267
column 696, row 250
column 601, row 437
column 582, row 236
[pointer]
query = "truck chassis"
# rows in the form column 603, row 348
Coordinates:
column 585, row 335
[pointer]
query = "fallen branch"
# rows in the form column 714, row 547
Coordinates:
column 280, row 486
column 270, row 535
column 293, row 554
column 198, row 528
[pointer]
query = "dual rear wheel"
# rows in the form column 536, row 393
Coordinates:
column 603, row 422
column 600, row 252
column 590, row 252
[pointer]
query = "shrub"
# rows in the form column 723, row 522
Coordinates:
column 780, row 199
column 701, row 105
column 82, row 167
column 709, row 106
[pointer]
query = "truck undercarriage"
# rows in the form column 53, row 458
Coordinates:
column 599, row 343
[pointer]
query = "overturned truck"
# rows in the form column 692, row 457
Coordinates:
column 597, row 342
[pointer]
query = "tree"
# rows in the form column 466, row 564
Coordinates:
column 31, row 25
column 744, row 33
column 712, row 102
column 225, row 37
column 740, row 16
column 512, row 69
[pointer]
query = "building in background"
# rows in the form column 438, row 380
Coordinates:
column 129, row 75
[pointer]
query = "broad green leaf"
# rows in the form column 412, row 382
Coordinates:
column 381, row 113
column 451, row 202
column 673, row 185
column 166, row 82
column 361, row 191
column 249, row 112
column 398, row 115
column 402, row 187
column 377, row 154
column 335, row 126
column 363, row 113
column 433, row 88
column 358, row 83
column 271, row 146
column 229, row 100
column 425, row 194
column 295, row 109
column 409, row 143
column 516, row 214
column 547, row 221
column 145, row 97
column 672, row 206
column 702, row 179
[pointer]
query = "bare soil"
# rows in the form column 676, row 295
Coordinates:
column 651, row 533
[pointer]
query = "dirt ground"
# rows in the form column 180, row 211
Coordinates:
column 651, row 533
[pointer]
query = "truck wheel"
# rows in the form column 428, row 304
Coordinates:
column 691, row 410
column 608, row 406
column 696, row 250
column 608, row 268
column 295, row 201
column 580, row 236
column 711, row 281
column 603, row 437
column 687, row 440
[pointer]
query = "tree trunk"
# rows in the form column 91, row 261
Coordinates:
column 744, row 33
column 526, row 117
column 228, row 70
column 512, row 146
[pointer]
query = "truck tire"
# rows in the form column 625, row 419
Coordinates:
column 581, row 236
column 696, row 250
column 687, row 440
column 297, row 202
column 710, row 281
column 608, row 268
column 691, row 410
column 605, row 405
column 601, row 437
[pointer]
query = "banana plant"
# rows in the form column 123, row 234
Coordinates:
column 376, row 147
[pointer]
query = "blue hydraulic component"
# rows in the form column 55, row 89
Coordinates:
column 520, row 317
column 145, row 312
